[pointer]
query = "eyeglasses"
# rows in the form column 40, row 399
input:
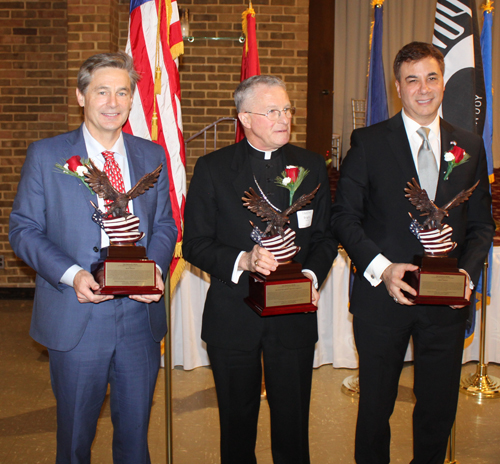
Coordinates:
column 274, row 115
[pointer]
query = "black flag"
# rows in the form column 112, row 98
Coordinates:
column 456, row 34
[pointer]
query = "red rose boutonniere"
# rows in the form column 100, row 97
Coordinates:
column 291, row 178
column 455, row 157
column 76, row 167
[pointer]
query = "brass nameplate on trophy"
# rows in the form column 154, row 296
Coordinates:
column 288, row 293
column 442, row 285
column 131, row 274
column 284, row 291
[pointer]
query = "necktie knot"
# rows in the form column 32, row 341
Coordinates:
column 108, row 155
column 424, row 133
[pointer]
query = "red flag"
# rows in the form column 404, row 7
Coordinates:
column 250, row 61
column 155, row 41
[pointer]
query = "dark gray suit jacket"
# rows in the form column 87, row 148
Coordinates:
column 370, row 213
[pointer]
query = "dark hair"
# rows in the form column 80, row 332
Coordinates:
column 246, row 89
column 415, row 51
column 119, row 60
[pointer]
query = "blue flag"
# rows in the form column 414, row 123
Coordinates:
column 376, row 97
column 486, row 48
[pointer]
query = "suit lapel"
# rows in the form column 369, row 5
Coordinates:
column 242, row 169
column 444, row 190
column 76, row 146
column 400, row 147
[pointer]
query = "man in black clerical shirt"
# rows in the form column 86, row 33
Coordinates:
column 217, row 240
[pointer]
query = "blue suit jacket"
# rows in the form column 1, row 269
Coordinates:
column 51, row 229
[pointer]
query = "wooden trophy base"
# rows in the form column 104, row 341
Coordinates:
column 125, row 270
column 437, row 282
column 284, row 291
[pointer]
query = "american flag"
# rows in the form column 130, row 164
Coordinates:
column 155, row 41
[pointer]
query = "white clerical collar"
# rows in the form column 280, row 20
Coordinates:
column 267, row 154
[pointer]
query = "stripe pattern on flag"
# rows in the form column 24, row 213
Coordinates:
column 142, row 46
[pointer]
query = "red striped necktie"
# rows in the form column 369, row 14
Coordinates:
column 114, row 173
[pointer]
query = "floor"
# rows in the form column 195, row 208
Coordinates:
column 28, row 424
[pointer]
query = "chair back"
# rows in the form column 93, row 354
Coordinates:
column 358, row 113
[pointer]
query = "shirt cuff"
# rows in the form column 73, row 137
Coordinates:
column 159, row 268
column 314, row 278
column 471, row 284
column 235, row 277
column 69, row 276
column 375, row 269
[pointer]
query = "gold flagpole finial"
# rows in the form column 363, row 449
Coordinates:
column 488, row 7
column 244, row 22
column 377, row 3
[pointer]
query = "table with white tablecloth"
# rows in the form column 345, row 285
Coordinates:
column 336, row 341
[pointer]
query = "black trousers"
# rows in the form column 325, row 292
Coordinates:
column 238, row 378
column 437, row 367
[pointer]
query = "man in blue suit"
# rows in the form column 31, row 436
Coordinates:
column 94, row 339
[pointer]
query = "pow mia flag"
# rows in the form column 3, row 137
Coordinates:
column 456, row 34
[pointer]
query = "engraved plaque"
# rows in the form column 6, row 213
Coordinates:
column 284, row 291
column 132, row 274
column 288, row 294
column 442, row 285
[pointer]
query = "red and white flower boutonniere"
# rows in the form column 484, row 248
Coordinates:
column 291, row 178
column 455, row 157
column 76, row 167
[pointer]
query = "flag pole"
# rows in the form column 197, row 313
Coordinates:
column 168, row 373
column 481, row 385
column 451, row 446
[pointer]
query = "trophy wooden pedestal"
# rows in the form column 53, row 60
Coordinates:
column 437, row 282
column 125, row 270
column 284, row 291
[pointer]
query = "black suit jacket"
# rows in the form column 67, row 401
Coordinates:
column 217, row 229
column 370, row 214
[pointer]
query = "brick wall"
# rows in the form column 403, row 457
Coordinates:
column 43, row 43
column 93, row 27
column 33, row 100
column 210, row 70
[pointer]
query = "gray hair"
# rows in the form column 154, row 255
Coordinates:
column 246, row 89
column 119, row 60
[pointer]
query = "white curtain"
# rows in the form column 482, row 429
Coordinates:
column 404, row 22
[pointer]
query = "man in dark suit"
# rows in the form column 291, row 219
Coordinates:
column 94, row 339
column 370, row 219
column 217, row 240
